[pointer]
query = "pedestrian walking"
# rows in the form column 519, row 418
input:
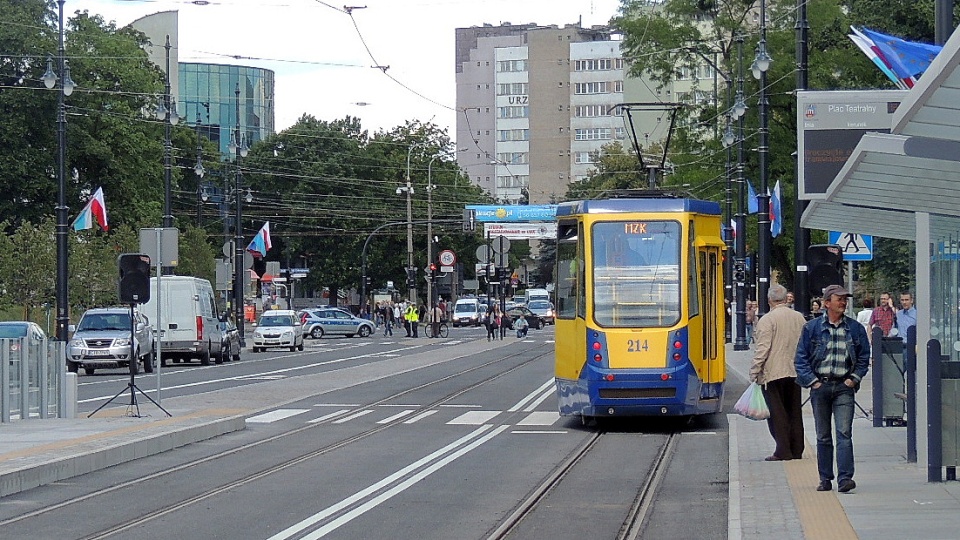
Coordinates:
column 776, row 336
column 490, row 323
column 388, row 319
column 832, row 358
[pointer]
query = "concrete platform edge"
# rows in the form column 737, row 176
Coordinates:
column 114, row 452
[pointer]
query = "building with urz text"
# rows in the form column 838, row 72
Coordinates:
column 537, row 103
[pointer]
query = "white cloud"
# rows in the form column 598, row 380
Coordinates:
column 324, row 69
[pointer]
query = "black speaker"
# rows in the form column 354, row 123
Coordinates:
column 824, row 264
column 134, row 284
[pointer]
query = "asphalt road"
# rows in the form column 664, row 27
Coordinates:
column 453, row 450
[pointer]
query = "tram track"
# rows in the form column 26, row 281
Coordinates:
column 286, row 464
column 635, row 518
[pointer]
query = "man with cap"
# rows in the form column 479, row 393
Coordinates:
column 833, row 356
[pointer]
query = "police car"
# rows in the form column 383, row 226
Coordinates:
column 319, row 322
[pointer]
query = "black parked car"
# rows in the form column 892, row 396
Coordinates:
column 535, row 321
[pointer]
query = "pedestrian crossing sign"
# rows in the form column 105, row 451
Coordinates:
column 855, row 247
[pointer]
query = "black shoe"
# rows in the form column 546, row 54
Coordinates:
column 825, row 485
column 846, row 485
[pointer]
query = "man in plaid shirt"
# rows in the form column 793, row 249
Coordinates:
column 884, row 315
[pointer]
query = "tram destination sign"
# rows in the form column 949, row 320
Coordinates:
column 829, row 126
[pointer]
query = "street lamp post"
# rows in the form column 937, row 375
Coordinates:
column 430, row 188
column 199, row 171
column 167, row 112
column 411, row 270
column 65, row 89
column 740, row 265
column 240, row 151
column 760, row 66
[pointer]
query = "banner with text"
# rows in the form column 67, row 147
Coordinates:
column 521, row 231
column 501, row 214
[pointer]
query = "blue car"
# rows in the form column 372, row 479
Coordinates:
column 318, row 322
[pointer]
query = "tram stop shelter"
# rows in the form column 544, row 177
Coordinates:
column 906, row 185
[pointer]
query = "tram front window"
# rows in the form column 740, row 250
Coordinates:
column 636, row 273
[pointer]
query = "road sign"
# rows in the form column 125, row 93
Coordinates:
column 447, row 257
column 446, row 269
column 483, row 253
column 500, row 243
column 855, row 247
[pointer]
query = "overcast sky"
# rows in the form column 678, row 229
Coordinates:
column 322, row 66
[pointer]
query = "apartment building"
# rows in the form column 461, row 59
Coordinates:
column 537, row 103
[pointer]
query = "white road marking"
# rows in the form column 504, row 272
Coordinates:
column 543, row 397
column 397, row 416
column 531, row 396
column 474, row 418
column 539, row 432
column 274, row 416
column 420, row 416
column 329, row 416
column 336, row 405
column 353, row 416
column 540, row 419
column 426, row 466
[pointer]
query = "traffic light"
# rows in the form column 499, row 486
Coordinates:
column 824, row 262
column 367, row 281
column 433, row 271
column 411, row 278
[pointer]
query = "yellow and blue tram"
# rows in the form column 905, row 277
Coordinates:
column 639, row 307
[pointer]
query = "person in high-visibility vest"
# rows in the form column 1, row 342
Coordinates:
column 413, row 317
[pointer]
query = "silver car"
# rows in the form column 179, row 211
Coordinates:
column 322, row 321
column 279, row 328
column 102, row 339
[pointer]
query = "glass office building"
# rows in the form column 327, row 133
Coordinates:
column 210, row 91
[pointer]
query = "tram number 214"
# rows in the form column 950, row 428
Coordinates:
column 637, row 345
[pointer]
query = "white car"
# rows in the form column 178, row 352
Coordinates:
column 278, row 328
column 319, row 322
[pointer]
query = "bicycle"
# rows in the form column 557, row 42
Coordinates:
column 444, row 330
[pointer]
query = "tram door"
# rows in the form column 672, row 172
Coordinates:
column 712, row 320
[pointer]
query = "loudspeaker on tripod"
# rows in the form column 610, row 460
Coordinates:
column 825, row 264
column 134, row 284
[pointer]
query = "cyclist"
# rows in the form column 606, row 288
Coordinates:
column 436, row 316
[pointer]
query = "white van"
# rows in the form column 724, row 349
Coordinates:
column 536, row 294
column 466, row 312
column 188, row 325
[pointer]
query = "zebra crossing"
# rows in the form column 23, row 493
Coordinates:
column 343, row 414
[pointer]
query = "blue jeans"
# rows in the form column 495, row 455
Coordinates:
column 834, row 400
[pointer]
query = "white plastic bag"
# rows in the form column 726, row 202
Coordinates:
column 752, row 404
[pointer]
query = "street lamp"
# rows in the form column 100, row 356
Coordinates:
column 200, row 171
column 66, row 87
column 430, row 188
column 760, row 66
column 167, row 112
column 740, row 263
column 411, row 270
column 239, row 146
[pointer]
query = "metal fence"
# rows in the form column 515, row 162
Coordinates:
column 32, row 379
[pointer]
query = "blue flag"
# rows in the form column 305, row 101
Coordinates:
column 776, row 212
column 753, row 205
column 907, row 58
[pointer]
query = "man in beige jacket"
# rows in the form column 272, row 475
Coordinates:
column 776, row 335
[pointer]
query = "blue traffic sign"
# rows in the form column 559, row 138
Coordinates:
column 855, row 247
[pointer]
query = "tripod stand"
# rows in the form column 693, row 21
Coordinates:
column 132, row 385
